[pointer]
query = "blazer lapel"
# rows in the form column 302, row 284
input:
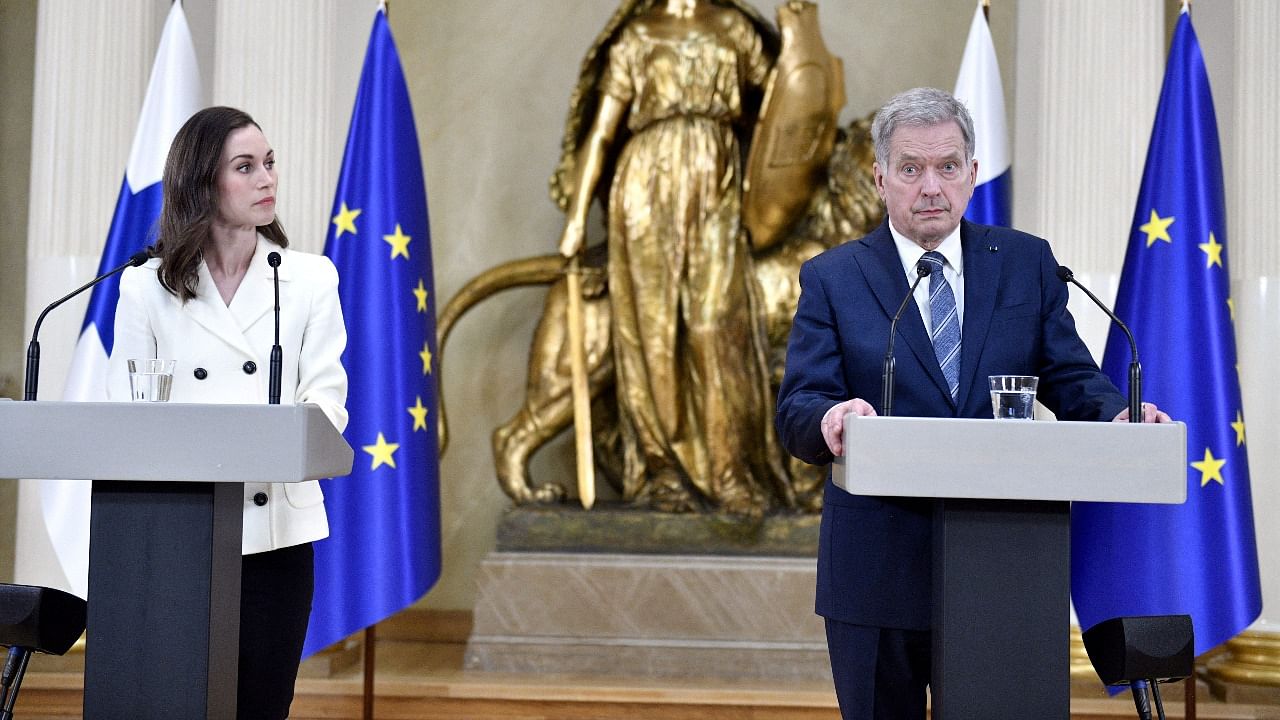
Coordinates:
column 208, row 310
column 982, row 267
column 256, row 295
column 882, row 268
column 253, row 299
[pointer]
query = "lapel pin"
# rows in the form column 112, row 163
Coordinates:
column 992, row 248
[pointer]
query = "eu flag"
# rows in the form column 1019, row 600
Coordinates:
column 1199, row 558
column 383, row 549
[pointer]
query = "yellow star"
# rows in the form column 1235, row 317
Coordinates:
column 1210, row 469
column 346, row 221
column 1157, row 229
column 383, row 452
column 1238, row 426
column 419, row 414
column 426, row 358
column 1231, row 306
column 1213, row 249
column 399, row 243
column 421, row 293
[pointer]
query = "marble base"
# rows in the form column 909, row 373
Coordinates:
column 648, row 615
column 620, row 528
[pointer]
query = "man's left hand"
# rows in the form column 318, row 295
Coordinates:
column 1150, row 414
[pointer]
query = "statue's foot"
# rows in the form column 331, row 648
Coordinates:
column 744, row 505
column 668, row 493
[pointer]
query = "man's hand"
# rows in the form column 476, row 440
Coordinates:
column 1150, row 414
column 833, row 422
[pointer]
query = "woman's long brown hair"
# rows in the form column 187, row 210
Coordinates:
column 191, row 198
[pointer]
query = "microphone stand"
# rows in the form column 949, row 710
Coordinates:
column 277, row 355
column 1135, row 368
column 32, row 381
column 886, row 377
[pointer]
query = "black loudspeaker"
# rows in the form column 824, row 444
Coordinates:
column 1152, row 647
column 40, row 619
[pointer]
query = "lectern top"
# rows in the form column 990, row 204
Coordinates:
column 169, row 441
column 1014, row 459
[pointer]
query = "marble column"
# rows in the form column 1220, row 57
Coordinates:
column 1239, row 39
column 92, row 65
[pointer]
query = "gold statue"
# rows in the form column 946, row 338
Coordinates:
column 683, row 323
column 688, row 340
column 845, row 206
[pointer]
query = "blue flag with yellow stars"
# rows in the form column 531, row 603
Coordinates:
column 1199, row 558
column 383, row 549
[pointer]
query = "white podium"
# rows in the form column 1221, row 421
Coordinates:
column 165, row 535
column 1002, row 538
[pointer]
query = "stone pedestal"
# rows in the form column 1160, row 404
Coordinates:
column 555, row 609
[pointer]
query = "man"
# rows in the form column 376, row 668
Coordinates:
column 991, row 305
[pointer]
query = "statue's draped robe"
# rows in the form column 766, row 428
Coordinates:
column 694, row 400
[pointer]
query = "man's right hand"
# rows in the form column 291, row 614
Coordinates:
column 833, row 422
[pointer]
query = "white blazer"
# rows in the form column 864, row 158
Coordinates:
column 223, row 354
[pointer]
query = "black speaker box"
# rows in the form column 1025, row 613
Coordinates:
column 41, row 619
column 1151, row 647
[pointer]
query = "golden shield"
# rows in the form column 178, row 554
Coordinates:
column 797, row 128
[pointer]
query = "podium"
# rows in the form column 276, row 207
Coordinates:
column 165, row 533
column 1002, row 538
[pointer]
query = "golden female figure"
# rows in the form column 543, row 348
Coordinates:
column 688, row 339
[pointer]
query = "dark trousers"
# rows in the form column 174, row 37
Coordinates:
column 275, row 605
column 880, row 673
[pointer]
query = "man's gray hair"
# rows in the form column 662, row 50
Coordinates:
column 919, row 107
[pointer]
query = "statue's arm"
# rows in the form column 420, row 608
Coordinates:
column 604, row 130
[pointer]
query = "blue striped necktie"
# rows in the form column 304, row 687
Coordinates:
column 946, row 323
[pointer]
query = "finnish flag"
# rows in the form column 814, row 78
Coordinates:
column 173, row 96
column 978, row 87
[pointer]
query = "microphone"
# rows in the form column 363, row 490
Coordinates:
column 886, row 379
column 277, row 355
column 32, row 382
column 1135, row 369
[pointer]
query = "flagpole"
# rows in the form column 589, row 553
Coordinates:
column 370, row 642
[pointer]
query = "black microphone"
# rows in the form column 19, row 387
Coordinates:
column 277, row 355
column 33, row 349
column 1135, row 369
column 886, row 382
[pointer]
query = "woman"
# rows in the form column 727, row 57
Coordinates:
column 688, row 337
column 206, row 299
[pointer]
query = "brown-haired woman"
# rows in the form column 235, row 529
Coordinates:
column 205, row 299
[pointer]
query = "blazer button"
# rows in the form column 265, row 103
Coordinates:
column 201, row 373
column 260, row 499
column 250, row 367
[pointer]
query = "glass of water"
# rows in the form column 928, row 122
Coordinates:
column 151, row 379
column 1013, row 397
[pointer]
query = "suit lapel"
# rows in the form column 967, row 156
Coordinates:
column 982, row 267
column 882, row 268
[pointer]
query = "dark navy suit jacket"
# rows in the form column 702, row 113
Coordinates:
column 874, row 556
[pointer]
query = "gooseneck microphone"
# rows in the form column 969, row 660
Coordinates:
column 32, row 382
column 277, row 355
column 886, row 379
column 1135, row 369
